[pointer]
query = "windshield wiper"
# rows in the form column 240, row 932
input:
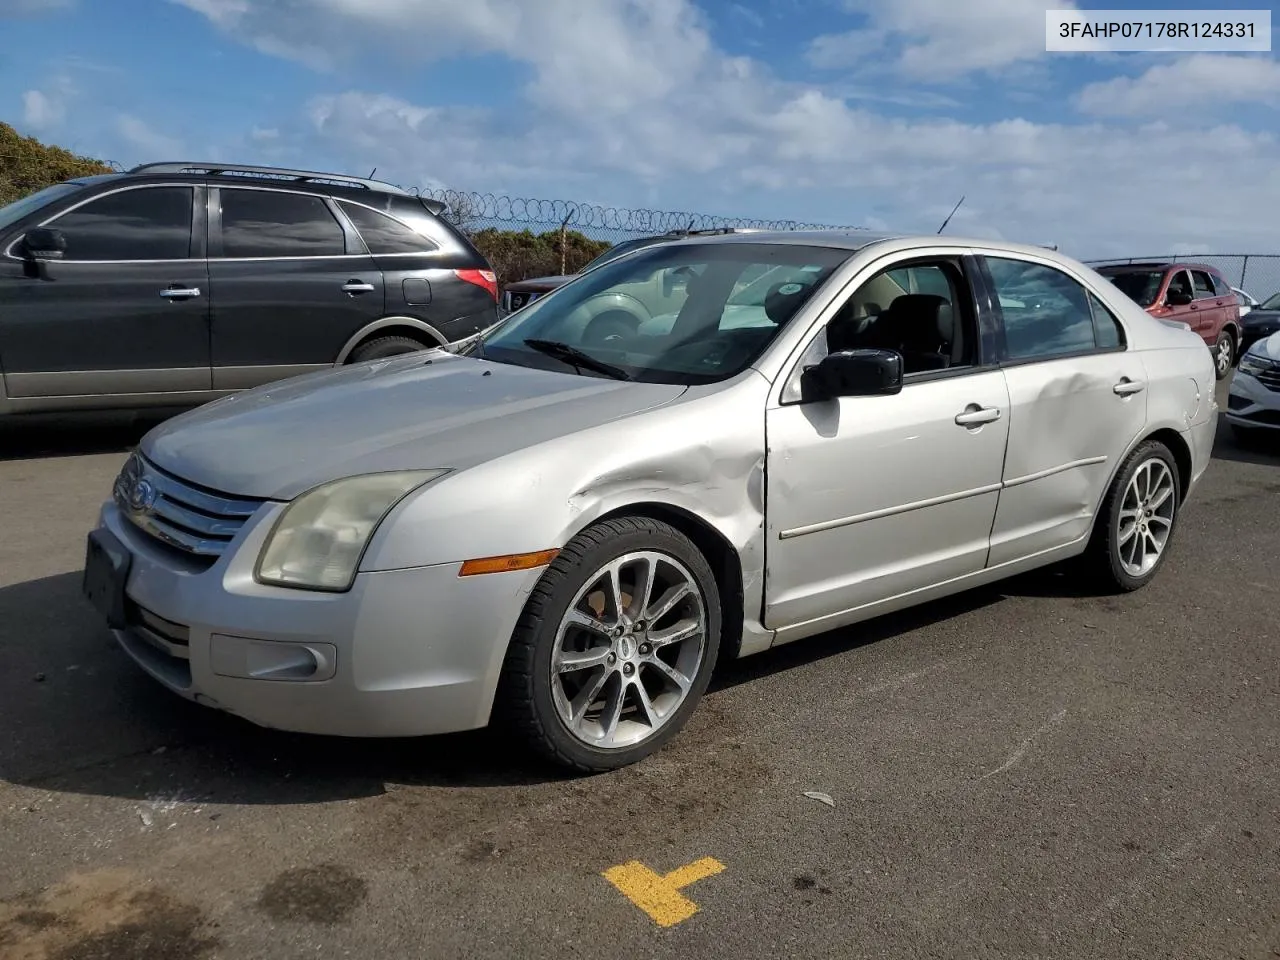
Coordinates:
column 576, row 358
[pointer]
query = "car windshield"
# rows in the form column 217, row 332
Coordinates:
column 1139, row 285
column 1271, row 303
column 13, row 212
column 626, row 246
column 687, row 313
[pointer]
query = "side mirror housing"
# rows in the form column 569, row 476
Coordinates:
column 1178, row 298
column 44, row 243
column 852, row 373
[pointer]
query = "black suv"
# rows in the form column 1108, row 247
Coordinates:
column 175, row 283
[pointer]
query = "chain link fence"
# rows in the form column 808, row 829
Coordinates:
column 1258, row 274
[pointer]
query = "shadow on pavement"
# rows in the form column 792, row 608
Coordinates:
column 38, row 436
column 1264, row 449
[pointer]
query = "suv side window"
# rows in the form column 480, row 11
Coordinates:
column 383, row 234
column 149, row 223
column 1046, row 313
column 1180, row 281
column 1203, row 285
column 1220, row 286
column 270, row 223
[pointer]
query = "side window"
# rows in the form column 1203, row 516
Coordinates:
column 150, row 223
column 383, row 234
column 1181, row 283
column 1107, row 331
column 1203, row 284
column 267, row 223
column 1220, row 286
column 1046, row 313
column 933, row 330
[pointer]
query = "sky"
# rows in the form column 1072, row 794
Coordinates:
column 877, row 113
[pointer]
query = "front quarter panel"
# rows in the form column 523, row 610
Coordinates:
column 702, row 455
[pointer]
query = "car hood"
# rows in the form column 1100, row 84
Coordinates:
column 412, row 412
column 1269, row 347
column 1258, row 318
column 538, row 284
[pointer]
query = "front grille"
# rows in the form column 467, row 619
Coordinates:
column 1269, row 417
column 516, row 300
column 180, row 515
column 1270, row 377
column 1237, row 403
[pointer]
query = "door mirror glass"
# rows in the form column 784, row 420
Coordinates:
column 852, row 373
column 1178, row 298
column 44, row 243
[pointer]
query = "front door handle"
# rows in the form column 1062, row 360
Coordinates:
column 357, row 286
column 1127, row 387
column 180, row 293
column 976, row 416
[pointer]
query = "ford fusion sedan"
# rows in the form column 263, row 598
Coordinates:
column 1253, row 405
column 565, row 532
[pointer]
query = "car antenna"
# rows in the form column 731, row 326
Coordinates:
column 371, row 173
column 950, row 215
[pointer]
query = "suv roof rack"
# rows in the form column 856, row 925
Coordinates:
column 281, row 173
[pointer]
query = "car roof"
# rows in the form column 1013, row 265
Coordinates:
column 855, row 240
column 1156, row 265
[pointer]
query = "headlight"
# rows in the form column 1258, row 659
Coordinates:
column 319, row 539
column 1253, row 364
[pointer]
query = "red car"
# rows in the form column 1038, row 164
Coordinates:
column 1192, row 293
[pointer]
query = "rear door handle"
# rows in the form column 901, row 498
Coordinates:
column 1127, row 387
column 357, row 286
column 180, row 293
column 976, row 416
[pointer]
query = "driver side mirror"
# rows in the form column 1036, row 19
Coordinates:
column 44, row 243
column 1178, row 298
column 852, row 373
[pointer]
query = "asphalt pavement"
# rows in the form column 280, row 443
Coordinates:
column 1027, row 770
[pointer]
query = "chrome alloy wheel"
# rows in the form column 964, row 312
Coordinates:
column 628, row 649
column 1225, row 356
column 1146, row 517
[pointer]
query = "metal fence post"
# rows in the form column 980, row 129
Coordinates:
column 1244, row 268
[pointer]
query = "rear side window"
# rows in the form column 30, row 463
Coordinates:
column 1203, row 284
column 383, row 234
column 152, row 223
column 1220, row 286
column 1046, row 313
column 1107, row 331
column 266, row 223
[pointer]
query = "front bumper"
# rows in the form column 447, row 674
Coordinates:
column 403, row 653
column 1251, row 404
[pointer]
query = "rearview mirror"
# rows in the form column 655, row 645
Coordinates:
column 1178, row 298
column 852, row 373
column 44, row 243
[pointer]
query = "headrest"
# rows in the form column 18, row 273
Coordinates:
column 783, row 299
column 923, row 315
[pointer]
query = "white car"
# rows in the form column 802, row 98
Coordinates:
column 568, row 531
column 1253, row 405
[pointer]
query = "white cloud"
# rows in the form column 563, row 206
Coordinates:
column 938, row 40
column 1200, row 80
column 41, row 111
column 148, row 142
column 631, row 101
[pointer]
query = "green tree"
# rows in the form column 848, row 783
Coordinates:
column 27, row 165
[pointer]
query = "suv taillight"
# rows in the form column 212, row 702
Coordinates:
column 481, row 278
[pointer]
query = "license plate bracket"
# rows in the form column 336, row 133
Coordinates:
column 106, row 571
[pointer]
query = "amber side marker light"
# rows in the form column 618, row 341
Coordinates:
column 514, row 561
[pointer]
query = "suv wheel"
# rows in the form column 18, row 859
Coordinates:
column 615, row 647
column 383, row 347
column 1224, row 353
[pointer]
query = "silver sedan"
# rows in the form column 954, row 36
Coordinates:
column 699, row 451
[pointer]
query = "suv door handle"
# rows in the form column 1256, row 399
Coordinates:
column 976, row 416
column 180, row 293
column 357, row 286
column 1127, row 387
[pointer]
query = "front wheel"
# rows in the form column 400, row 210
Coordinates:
column 1224, row 353
column 615, row 646
column 1133, row 530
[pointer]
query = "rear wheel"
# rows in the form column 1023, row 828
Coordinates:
column 615, row 647
column 383, row 347
column 1133, row 530
column 1224, row 354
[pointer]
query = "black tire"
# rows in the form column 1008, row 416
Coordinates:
column 1225, row 347
column 382, row 347
column 1102, row 562
column 525, row 704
